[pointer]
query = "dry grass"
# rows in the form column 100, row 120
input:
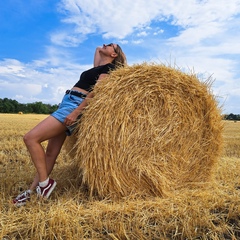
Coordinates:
column 232, row 139
column 212, row 212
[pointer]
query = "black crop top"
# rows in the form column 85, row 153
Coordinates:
column 89, row 78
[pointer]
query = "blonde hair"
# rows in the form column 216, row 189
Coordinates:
column 120, row 60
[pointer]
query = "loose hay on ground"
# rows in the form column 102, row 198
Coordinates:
column 149, row 129
column 209, row 213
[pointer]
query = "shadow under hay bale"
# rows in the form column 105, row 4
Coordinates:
column 149, row 129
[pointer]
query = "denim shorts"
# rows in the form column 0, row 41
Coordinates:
column 68, row 104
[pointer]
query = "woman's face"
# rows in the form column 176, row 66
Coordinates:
column 110, row 48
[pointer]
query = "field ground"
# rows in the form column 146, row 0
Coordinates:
column 210, row 212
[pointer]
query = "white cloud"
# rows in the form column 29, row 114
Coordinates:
column 203, row 35
column 136, row 42
column 111, row 18
column 120, row 18
column 142, row 34
column 42, row 80
column 65, row 39
column 12, row 66
column 20, row 90
column 158, row 32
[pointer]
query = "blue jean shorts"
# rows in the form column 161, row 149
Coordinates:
column 69, row 103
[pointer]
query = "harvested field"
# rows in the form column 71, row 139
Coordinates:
column 209, row 213
column 212, row 212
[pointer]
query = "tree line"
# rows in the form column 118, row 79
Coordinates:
column 231, row 116
column 13, row 106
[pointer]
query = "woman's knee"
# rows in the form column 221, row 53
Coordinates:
column 28, row 138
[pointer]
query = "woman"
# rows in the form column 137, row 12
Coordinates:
column 53, row 128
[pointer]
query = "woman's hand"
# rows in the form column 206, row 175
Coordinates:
column 71, row 118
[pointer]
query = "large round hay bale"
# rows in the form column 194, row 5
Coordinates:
column 149, row 130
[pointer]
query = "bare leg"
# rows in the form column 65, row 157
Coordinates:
column 49, row 128
column 53, row 149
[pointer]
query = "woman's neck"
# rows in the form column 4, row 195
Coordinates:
column 104, row 61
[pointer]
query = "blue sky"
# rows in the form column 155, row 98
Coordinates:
column 45, row 45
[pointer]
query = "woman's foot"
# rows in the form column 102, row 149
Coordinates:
column 22, row 198
column 46, row 191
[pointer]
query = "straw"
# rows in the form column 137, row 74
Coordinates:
column 149, row 130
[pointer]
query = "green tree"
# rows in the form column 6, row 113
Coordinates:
column 12, row 106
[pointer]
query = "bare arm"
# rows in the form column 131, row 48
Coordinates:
column 71, row 118
column 97, row 57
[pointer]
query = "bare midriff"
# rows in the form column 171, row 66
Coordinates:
column 79, row 90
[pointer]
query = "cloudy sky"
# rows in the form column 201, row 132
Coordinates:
column 45, row 45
